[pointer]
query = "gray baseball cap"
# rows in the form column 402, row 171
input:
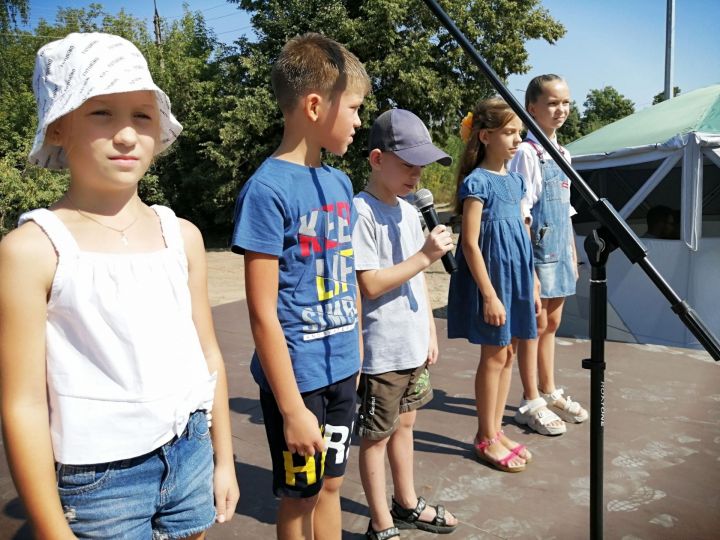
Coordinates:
column 404, row 134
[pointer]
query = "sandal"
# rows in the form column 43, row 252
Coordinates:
column 520, row 450
column 536, row 415
column 500, row 464
column 571, row 411
column 385, row 534
column 409, row 518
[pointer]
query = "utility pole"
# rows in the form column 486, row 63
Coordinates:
column 669, row 43
column 158, row 35
column 156, row 23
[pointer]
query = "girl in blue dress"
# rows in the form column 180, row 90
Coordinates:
column 493, row 296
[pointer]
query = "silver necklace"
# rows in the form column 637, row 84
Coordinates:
column 121, row 231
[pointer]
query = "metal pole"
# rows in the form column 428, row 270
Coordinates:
column 598, row 250
column 669, row 44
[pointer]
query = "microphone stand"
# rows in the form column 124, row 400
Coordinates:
column 612, row 233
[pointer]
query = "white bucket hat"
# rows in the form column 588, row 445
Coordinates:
column 71, row 70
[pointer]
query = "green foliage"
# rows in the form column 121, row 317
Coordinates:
column 412, row 61
column 9, row 12
column 222, row 96
column 571, row 129
column 441, row 180
column 660, row 97
column 23, row 187
column 603, row 107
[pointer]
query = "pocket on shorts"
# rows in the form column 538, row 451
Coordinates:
column 76, row 479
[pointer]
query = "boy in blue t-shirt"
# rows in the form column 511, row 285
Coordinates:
column 293, row 223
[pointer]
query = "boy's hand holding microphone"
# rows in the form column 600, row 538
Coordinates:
column 439, row 241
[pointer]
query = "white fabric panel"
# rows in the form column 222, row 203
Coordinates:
column 637, row 311
column 703, row 290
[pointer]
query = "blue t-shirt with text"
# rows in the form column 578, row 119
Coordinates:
column 303, row 216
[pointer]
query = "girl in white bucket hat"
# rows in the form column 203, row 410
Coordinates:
column 109, row 366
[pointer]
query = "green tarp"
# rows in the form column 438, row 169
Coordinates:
column 696, row 111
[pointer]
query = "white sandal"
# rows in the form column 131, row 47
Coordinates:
column 536, row 415
column 571, row 411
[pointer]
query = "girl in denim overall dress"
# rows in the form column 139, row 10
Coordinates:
column 544, row 407
column 109, row 366
column 493, row 298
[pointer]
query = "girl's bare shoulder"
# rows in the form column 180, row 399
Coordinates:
column 28, row 248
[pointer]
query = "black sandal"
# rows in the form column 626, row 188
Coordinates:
column 408, row 518
column 385, row 534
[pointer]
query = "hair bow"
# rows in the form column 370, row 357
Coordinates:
column 466, row 127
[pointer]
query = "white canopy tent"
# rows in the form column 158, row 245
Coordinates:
column 669, row 155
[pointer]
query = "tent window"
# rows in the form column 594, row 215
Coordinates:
column 619, row 184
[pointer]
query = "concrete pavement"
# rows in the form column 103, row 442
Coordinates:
column 662, row 450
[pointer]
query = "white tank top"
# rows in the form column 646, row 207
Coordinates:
column 124, row 363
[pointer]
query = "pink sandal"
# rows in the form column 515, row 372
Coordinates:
column 500, row 464
column 518, row 450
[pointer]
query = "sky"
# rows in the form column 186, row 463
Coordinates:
column 619, row 43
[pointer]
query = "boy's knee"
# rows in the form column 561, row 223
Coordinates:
column 299, row 506
column 367, row 444
column 407, row 420
column 331, row 484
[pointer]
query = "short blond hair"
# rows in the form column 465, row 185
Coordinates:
column 315, row 63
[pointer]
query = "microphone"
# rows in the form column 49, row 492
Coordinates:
column 424, row 203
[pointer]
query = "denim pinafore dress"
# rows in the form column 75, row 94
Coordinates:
column 552, row 231
column 507, row 253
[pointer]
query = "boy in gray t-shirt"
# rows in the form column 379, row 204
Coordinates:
column 399, row 337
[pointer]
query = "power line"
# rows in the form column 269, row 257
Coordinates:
column 32, row 36
column 234, row 30
column 220, row 16
column 200, row 10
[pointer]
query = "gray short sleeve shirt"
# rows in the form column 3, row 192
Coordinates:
column 396, row 324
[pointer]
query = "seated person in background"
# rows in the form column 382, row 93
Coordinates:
column 663, row 223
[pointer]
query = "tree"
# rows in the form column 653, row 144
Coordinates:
column 659, row 98
column 222, row 96
column 570, row 130
column 604, row 106
column 412, row 61
column 9, row 11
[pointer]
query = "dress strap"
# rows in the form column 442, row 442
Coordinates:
column 170, row 228
column 61, row 238
column 66, row 247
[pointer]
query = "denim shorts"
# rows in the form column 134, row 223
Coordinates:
column 167, row 493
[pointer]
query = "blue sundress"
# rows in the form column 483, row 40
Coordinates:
column 507, row 251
